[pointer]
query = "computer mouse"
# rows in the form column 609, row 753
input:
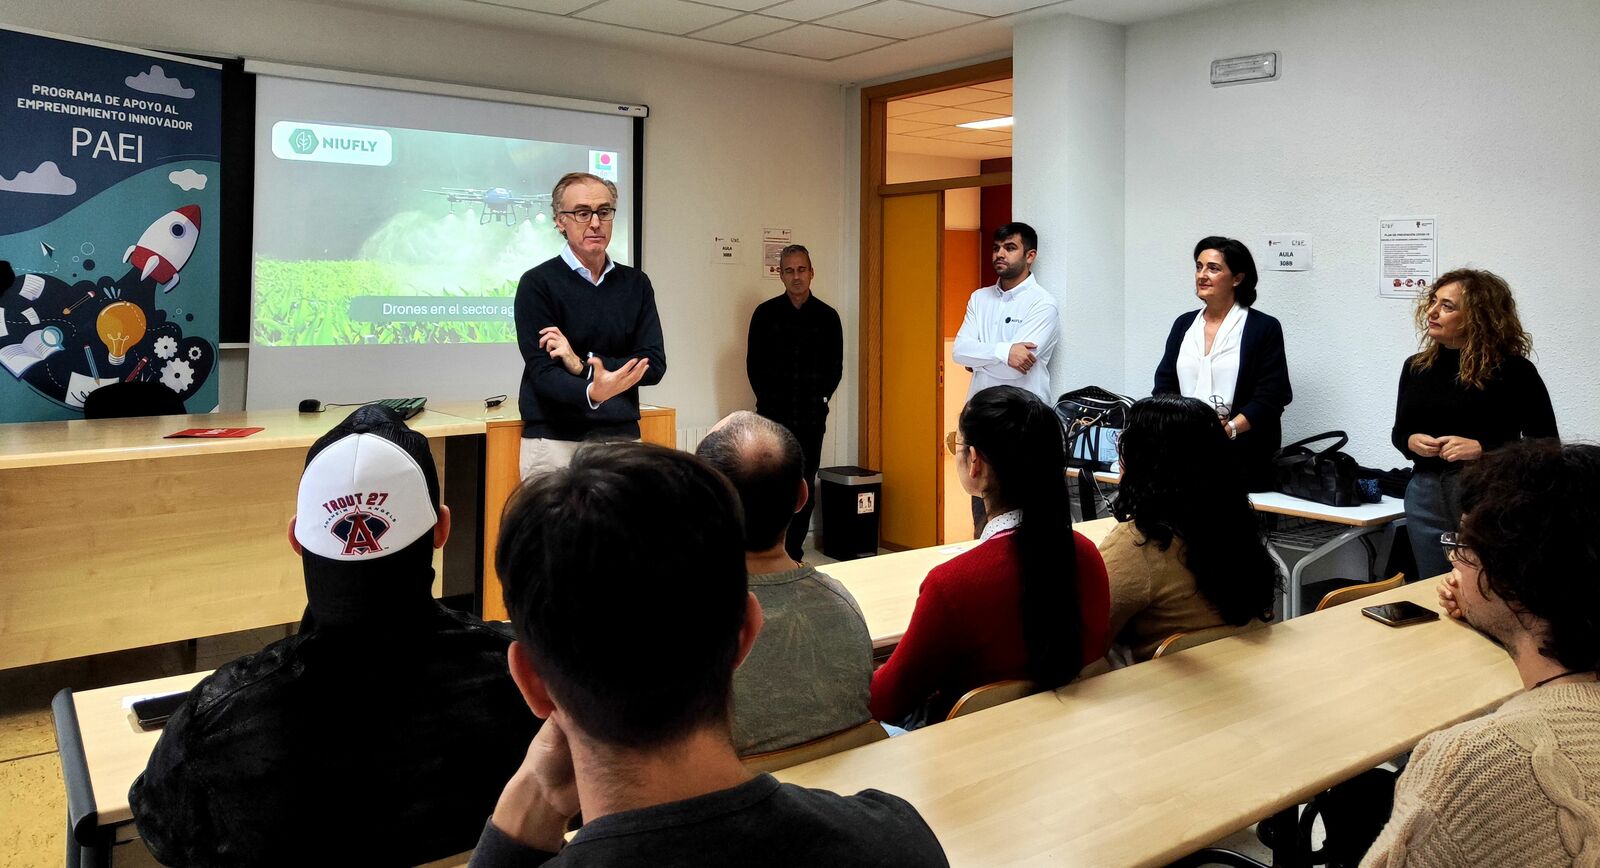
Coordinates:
column 311, row 405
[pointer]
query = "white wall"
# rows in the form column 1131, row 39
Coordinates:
column 1481, row 112
column 1067, row 159
column 725, row 151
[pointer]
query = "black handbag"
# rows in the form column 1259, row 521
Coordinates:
column 1086, row 415
column 1325, row 476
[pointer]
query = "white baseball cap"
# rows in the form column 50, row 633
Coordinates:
column 361, row 498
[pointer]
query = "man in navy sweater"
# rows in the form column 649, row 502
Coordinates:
column 589, row 334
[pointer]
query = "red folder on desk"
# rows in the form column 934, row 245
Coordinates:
column 214, row 432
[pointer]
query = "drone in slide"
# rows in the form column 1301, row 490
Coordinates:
column 500, row 205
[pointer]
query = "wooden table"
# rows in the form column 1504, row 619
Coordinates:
column 1146, row 764
column 502, row 472
column 113, row 537
column 886, row 586
column 102, row 752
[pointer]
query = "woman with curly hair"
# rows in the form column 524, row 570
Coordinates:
column 1187, row 554
column 1470, row 389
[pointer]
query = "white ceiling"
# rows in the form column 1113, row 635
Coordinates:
column 927, row 124
column 831, row 40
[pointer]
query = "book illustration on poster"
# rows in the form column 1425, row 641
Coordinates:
column 109, row 195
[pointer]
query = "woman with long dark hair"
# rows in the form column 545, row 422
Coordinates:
column 1470, row 389
column 1187, row 554
column 1230, row 355
column 1030, row 600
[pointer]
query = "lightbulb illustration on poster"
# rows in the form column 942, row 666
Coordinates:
column 109, row 200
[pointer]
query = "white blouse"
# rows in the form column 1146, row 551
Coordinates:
column 1212, row 377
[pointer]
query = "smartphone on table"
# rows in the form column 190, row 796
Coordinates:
column 1400, row 614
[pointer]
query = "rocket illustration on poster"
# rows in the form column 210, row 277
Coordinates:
column 109, row 201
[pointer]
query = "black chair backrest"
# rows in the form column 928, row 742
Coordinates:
column 123, row 400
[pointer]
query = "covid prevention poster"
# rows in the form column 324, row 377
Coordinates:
column 109, row 206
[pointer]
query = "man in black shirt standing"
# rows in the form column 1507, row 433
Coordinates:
column 588, row 331
column 794, row 361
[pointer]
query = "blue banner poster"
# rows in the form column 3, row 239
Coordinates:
column 109, row 206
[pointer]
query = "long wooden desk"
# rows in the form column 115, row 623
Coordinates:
column 112, row 537
column 102, row 752
column 1146, row 764
column 502, row 472
column 886, row 586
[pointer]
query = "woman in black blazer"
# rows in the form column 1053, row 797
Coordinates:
column 1231, row 356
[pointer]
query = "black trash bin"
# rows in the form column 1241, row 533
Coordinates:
column 850, row 500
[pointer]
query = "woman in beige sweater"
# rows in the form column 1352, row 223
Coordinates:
column 1187, row 554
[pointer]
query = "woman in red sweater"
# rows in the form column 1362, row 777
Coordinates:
column 1022, row 603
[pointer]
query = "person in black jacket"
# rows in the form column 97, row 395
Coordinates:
column 1471, row 389
column 381, row 733
column 1231, row 356
column 589, row 333
column 795, row 358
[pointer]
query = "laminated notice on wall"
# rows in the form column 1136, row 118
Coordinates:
column 1408, row 256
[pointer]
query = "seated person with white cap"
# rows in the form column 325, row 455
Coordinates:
column 380, row 734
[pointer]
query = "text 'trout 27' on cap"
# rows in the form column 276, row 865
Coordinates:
column 362, row 498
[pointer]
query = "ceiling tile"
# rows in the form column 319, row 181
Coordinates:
column 741, row 5
column 900, row 127
column 988, row 8
column 898, row 19
column 821, row 43
column 942, row 148
column 998, row 106
column 661, row 16
column 958, row 96
column 810, row 10
column 554, row 7
column 742, row 28
column 980, row 137
column 950, row 116
column 900, row 107
column 1001, row 86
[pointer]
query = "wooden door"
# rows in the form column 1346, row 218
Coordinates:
column 913, row 228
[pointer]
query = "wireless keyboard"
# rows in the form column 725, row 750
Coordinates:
column 406, row 407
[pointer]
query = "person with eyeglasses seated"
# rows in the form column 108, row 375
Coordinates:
column 1029, row 601
column 625, row 577
column 589, row 333
column 1187, row 554
column 1520, row 786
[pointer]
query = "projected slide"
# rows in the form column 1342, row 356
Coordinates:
column 387, row 235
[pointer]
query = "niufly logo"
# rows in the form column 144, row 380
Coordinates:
column 326, row 143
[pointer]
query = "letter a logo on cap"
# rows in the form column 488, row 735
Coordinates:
column 360, row 532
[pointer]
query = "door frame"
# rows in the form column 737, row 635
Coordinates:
column 874, row 186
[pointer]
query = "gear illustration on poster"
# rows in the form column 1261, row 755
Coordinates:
column 177, row 375
column 165, row 347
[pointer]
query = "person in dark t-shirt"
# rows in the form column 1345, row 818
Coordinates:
column 624, row 573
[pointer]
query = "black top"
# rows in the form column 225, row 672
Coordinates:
column 405, row 733
column 616, row 321
column 761, row 822
column 1261, row 393
column 795, row 359
column 1512, row 404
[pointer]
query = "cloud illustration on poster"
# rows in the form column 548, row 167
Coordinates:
column 188, row 179
column 47, row 179
column 156, row 81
